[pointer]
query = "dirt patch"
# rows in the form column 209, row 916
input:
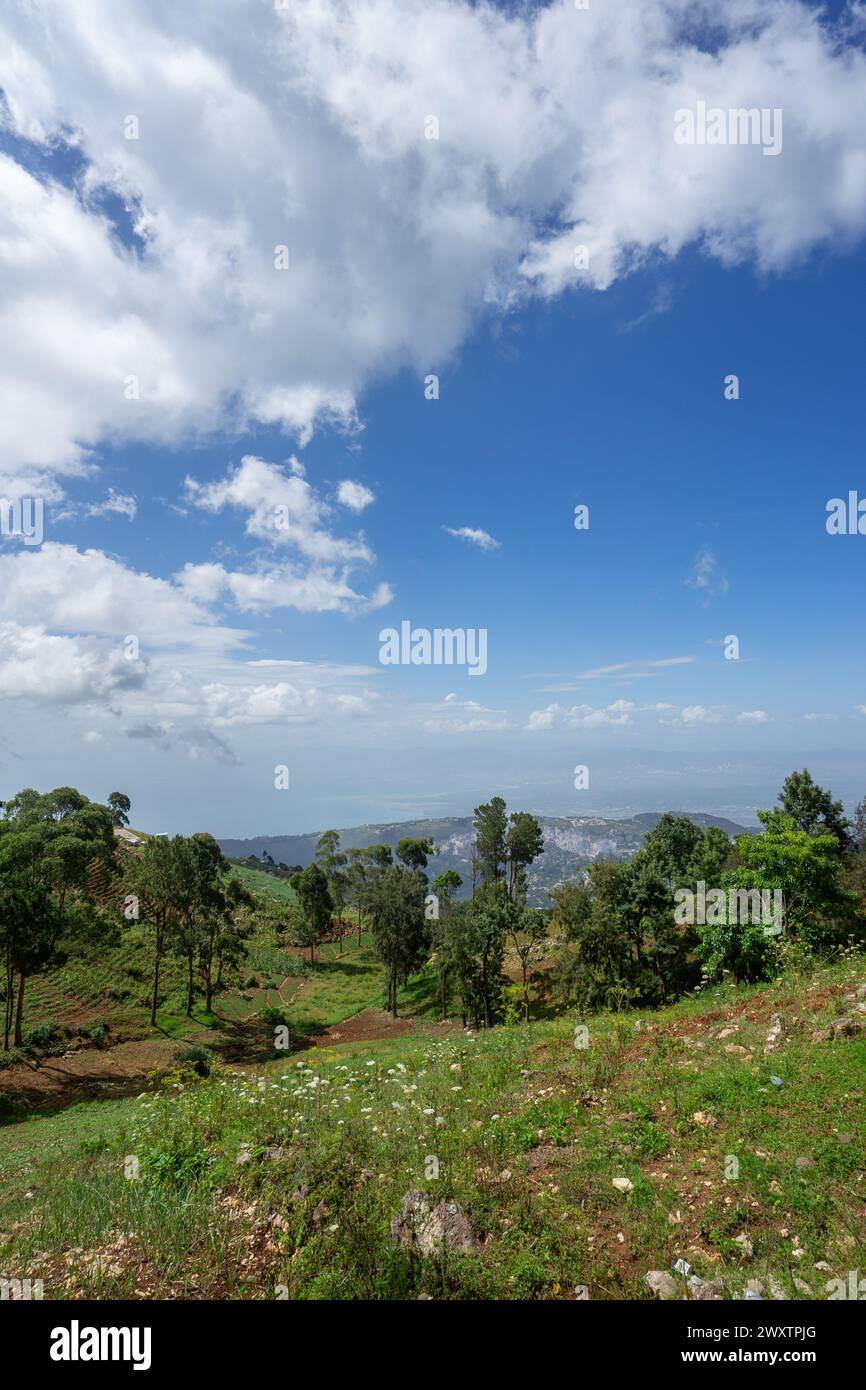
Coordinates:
column 371, row 1025
column 91, row 1074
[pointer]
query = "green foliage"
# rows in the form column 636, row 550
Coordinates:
column 311, row 887
column 395, row 902
column 806, row 869
column 812, row 808
column 198, row 1057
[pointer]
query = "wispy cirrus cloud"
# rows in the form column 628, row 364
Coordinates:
column 620, row 672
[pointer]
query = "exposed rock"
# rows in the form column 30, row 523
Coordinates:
column 704, row 1119
column 745, row 1244
column 736, row 1050
column 775, row 1035
column 623, row 1184
column 842, row 1028
column 663, row 1285
column 703, row 1291
column 430, row 1228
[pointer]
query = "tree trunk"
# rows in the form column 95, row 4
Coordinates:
column 189, row 985
column 484, row 990
column 10, row 992
column 19, row 1012
column 155, row 987
column 394, row 990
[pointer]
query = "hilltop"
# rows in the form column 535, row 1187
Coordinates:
column 570, row 843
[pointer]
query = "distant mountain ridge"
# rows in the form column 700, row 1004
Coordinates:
column 570, row 843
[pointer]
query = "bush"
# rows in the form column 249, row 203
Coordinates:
column 41, row 1035
column 198, row 1057
column 273, row 1016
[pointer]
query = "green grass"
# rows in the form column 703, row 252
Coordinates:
column 266, row 885
column 528, row 1133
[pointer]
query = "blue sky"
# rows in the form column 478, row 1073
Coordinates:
column 707, row 515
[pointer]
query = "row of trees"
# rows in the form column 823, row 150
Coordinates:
column 50, row 846
column 412, row 919
column 63, row 882
column 64, row 885
column 183, row 891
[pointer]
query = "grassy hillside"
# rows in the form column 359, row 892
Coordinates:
column 264, row 884
column 87, row 1022
column 748, row 1164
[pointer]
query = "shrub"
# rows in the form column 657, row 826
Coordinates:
column 198, row 1057
column 273, row 1016
column 41, row 1035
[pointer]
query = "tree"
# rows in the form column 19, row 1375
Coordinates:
column 400, row 930
column 155, row 876
column 813, row 809
column 333, row 863
column 30, row 924
column 119, row 806
column 806, row 869
column 524, row 842
column 484, row 919
column 49, row 845
column 221, row 930
column 596, row 964
column 527, row 930
column 444, row 886
column 356, row 882
column 663, row 962
column 203, row 905
column 680, row 852
column 415, row 853
column 491, row 824
column 311, row 887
